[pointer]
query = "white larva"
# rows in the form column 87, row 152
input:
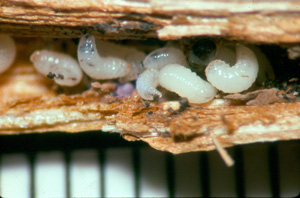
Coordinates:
column 237, row 78
column 63, row 68
column 186, row 83
column 227, row 54
column 96, row 66
column 265, row 69
column 130, row 54
column 7, row 52
column 146, row 84
column 161, row 57
column 148, row 81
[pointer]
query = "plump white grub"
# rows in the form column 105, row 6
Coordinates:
column 237, row 78
column 63, row 68
column 265, row 72
column 7, row 52
column 186, row 83
column 129, row 54
column 99, row 67
column 161, row 57
column 146, row 84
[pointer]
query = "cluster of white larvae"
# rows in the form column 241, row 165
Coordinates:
column 167, row 67
column 98, row 59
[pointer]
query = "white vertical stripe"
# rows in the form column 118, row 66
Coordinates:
column 222, row 181
column 256, row 169
column 50, row 175
column 85, row 174
column 289, row 165
column 187, row 176
column 15, row 176
column 153, row 181
column 119, row 177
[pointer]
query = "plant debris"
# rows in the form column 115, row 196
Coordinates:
column 257, row 98
column 104, row 87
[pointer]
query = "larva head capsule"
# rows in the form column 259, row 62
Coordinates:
column 63, row 68
column 7, row 52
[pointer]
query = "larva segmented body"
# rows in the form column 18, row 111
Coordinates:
column 130, row 54
column 186, row 83
column 237, row 78
column 148, row 81
column 96, row 66
column 63, row 68
column 161, row 57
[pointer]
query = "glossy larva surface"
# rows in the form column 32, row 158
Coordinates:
column 100, row 67
column 161, row 57
column 225, row 54
column 63, row 68
column 130, row 54
column 146, row 84
column 236, row 78
column 7, row 52
column 184, row 82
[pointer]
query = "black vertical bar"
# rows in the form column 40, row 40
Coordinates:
column 102, row 163
column 204, row 170
column 32, row 157
column 170, row 170
column 136, row 167
column 68, row 174
column 274, row 169
column 239, row 173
